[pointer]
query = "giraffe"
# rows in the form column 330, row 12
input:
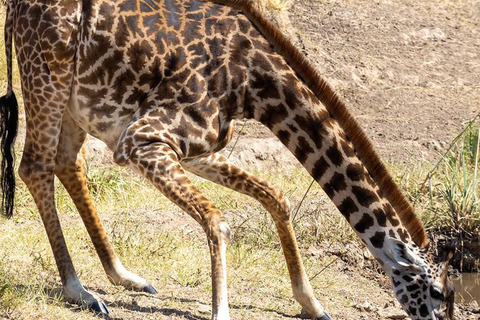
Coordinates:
column 161, row 83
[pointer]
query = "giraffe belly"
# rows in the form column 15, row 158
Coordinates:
column 128, row 127
column 147, row 82
column 98, row 124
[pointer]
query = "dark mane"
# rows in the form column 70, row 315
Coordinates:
column 339, row 111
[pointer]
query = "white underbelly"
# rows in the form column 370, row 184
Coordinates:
column 106, row 129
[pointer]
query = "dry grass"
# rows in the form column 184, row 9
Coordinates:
column 163, row 246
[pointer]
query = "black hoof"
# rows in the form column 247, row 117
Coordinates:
column 304, row 315
column 150, row 289
column 324, row 317
column 99, row 308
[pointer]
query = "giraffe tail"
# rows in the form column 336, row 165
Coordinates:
column 8, row 126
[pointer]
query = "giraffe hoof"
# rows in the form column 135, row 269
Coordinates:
column 149, row 289
column 99, row 307
column 304, row 315
column 325, row 317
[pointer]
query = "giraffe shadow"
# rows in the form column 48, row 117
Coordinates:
column 55, row 294
column 185, row 314
column 250, row 307
column 163, row 311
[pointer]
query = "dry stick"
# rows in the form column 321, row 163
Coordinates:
column 430, row 174
column 324, row 268
column 238, row 138
column 303, row 199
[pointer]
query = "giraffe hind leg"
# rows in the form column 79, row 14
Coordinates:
column 218, row 169
column 70, row 169
column 160, row 165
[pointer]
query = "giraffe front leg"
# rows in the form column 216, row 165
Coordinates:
column 218, row 169
column 70, row 169
column 37, row 173
column 159, row 164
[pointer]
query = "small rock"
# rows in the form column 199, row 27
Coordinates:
column 203, row 308
column 315, row 251
column 367, row 255
column 427, row 34
column 366, row 306
column 433, row 144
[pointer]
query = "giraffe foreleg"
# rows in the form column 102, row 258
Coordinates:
column 37, row 171
column 218, row 169
column 159, row 164
column 70, row 169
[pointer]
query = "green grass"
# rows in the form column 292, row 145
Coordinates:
column 451, row 192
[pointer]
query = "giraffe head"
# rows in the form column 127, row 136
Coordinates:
column 423, row 287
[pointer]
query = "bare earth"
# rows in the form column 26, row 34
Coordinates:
column 410, row 70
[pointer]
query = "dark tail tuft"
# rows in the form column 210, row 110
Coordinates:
column 8, row 132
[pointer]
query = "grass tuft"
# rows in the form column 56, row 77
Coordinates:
column 454, row 186
column 277, row 4
column 9, row 299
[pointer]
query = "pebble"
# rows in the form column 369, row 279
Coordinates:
column 366, row 306
column 203, row 308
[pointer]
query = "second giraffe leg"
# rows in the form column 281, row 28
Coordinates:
column 159, row 164
column 218, row 169
column 70, row 169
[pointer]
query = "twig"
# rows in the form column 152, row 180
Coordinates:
column 303, row 199
column 238, row 138
column 323, row 269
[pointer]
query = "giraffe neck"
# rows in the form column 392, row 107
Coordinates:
column 337, row 108
column 307, row 129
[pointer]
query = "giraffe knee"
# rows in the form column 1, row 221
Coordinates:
column 273, row 200
column 25, row 171
column 219, row 231
column 225, row 231
column 34, row 172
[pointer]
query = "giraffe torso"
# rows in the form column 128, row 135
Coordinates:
column 165, row 72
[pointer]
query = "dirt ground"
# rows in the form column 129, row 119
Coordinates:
column 410, row 70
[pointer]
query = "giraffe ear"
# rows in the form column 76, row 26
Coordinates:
column 400, row 254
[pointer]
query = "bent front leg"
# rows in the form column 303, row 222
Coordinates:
column 159, row 164
column 218, row 169
column 70, row 169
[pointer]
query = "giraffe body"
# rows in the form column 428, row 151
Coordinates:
column 161, row 83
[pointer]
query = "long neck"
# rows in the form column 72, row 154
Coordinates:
column 306, row 128
column 321, row 90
